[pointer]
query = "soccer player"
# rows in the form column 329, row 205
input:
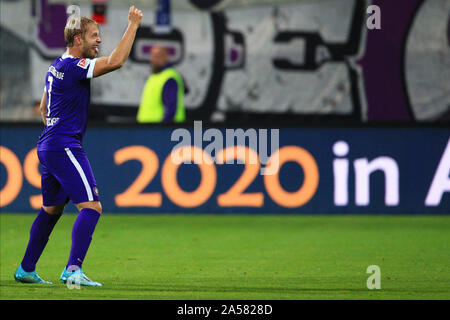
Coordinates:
column 66, row 172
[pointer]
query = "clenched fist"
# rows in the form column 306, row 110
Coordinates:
column 134, row 16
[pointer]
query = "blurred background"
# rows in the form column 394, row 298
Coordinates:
column 361, row 101
column 283, row 61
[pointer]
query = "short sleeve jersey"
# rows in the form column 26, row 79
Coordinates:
column 67, row 86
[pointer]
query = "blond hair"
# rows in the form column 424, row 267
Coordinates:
column 76, row 26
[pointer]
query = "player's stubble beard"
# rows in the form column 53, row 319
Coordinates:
column 89, row 51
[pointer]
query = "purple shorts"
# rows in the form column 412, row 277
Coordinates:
column 67, row 175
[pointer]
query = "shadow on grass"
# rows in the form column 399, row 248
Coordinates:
column 12, row 290
column 251, row 289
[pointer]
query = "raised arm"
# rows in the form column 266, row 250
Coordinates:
column 120, row 54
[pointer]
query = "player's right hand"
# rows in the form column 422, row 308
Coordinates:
column 135, row 16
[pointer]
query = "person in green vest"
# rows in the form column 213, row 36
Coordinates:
column 163, row 95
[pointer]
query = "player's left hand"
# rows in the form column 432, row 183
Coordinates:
column 135, row 16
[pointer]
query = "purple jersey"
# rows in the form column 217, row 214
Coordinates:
column 67, row 84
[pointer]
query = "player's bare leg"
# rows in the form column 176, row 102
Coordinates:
column 94, row 205
column 58, row 209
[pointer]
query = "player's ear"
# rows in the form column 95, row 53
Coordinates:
column 77, row 40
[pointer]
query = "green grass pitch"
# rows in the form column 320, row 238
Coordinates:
column 242, row 257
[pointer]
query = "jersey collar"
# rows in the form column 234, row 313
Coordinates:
column 65, row 55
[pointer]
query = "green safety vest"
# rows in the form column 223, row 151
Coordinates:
column 152, row 107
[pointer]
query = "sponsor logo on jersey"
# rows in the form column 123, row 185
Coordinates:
column 51, row 121
column 83, row 63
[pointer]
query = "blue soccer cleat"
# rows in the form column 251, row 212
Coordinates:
column 28, row 277
column 77, row 278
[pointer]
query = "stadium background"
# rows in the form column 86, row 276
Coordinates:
column 363, row 125
column 312, row 69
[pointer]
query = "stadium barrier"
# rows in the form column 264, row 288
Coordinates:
column 322, row 170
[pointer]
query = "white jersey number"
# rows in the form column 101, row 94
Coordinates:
column 49, row 91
